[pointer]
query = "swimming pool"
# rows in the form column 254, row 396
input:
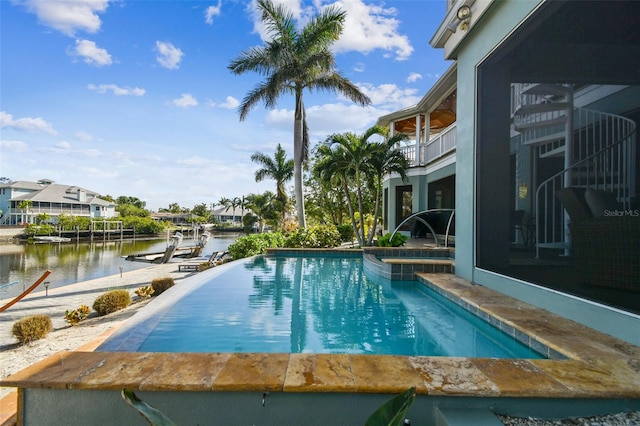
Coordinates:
column 310, row 304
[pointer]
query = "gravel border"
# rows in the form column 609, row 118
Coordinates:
column 619, row 419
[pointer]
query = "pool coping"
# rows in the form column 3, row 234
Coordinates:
column 598, row 365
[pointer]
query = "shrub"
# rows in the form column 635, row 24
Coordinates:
column 346, row 232
column 145, row 292
column 251, row 245
column 322, row 236
column 398, row 240
column 44, row 229
column 32, row 328
column 112, row 301
column 160, row 285
column 75, row 316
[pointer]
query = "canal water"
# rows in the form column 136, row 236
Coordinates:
column 22, row 264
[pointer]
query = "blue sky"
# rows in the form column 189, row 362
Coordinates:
column 134, row 97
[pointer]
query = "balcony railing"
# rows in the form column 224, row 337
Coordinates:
column 436, row 147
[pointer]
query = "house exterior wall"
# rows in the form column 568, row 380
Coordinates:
column 486, row 35
column 497, row 24
column 419, row 178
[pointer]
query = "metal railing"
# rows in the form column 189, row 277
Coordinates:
column 604, row 148
column 416, row 216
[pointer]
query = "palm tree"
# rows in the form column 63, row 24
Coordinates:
column 388, row 159
column 344, row 160
column 277, row 168
column 333, row 168
column 25, row 206
column 262, row 206
column 350, row 160
column 292, row 61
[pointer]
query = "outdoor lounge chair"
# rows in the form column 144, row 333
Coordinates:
column 605, row 238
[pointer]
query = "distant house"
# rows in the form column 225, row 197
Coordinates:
column 175, row 218
column 229, row 215
column 52, row 199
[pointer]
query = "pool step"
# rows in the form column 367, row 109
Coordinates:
column 403, row 264
column 414, row 261
column 466, row 416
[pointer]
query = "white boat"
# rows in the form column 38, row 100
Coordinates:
column 50, row 239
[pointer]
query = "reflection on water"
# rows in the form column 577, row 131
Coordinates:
column 315, row 304
column 22, row 264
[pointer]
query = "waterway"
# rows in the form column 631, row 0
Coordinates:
column 22, row 264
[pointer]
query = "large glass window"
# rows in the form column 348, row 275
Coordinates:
column 557, row 158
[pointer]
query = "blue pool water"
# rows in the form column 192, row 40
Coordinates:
column 315, row 305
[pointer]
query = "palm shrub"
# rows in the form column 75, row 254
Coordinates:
column 32, row 328
column 160, row 285
column 112, row 301
column 74, row 316
column 145, row 292
column 396, row 241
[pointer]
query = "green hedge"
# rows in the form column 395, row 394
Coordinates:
column 315, row 237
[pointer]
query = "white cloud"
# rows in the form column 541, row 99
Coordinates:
column 369, row 27
column 168, row 56
column 326, row 119
column 68, row 17
column 212, row 11
column 185, row 100
column 194, row 161
column 117, row 90
column 230, row 103
column 359, row 67
column 390, row 96
column 13, row 146
column 27, row 124
column 83, row 136
column 413, row 77
column 91, row 53
column 63, row 145
column 90, row 153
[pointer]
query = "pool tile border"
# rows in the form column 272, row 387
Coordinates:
column 599, row 366
column 593, row 364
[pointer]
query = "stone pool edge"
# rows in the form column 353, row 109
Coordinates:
column 599, row 366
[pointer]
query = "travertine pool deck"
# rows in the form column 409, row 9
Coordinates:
column 597, row 365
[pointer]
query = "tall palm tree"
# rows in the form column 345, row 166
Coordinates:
column 334, row 168
column 278, row 168
column 348, row 157
column 356, row 164
column 294, row 60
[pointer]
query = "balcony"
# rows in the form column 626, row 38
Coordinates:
column 437, row 147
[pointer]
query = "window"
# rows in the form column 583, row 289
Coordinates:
column 554, row 120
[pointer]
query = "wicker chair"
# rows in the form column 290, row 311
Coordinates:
column 606, row 242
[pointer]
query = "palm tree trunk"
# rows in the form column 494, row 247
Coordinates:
column 360, row 207
column 372, row 233
column 345, row 188
column 298, row 157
